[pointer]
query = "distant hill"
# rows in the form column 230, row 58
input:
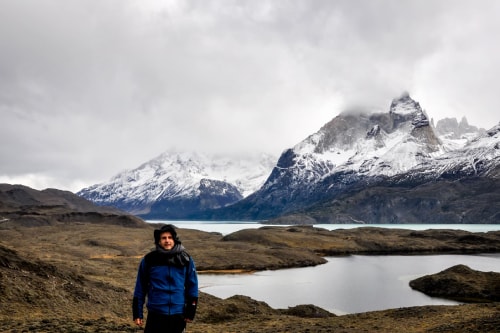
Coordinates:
column 21, row 205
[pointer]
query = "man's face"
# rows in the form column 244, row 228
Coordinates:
column 167, row 241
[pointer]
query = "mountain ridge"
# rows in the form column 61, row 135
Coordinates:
column 407, row 154
column 353, row 152
column 174, row 184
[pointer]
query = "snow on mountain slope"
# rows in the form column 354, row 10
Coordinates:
column 179, row 175
column 478, row 157
column 356, row 150
column 455, row 135
column 370, row 143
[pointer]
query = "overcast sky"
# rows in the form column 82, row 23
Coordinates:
column 91, row 88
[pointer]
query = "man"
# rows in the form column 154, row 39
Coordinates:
column 167, row 277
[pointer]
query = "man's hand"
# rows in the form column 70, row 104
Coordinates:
column 138, row 321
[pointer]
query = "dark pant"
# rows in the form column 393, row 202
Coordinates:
column 160, row 323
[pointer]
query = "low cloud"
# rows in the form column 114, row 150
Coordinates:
column 90, row 89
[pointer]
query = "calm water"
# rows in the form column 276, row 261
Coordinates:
column 345, row 284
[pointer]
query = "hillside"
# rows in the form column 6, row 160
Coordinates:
column 73, row 274
column 21, row 205
column 468, row 201
column 79, row 278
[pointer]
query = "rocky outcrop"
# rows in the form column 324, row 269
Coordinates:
column 450, row 128
column 461, row 283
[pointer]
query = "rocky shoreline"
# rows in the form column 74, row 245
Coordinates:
column 78, row 277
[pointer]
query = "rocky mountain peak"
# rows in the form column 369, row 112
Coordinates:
column 373, row 132
column 404, row 105
column 373, row 142
column 450, row 128
column 405, row 108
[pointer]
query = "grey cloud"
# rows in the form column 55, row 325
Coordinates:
column 90, row 88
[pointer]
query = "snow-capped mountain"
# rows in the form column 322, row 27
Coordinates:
column 373, row 143
column 175, row 184
column 461, row 186
column 362, row 167
column 351, row 148
column 358, row 152
column 478, row 157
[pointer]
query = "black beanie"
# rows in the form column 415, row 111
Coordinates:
column 166, row 228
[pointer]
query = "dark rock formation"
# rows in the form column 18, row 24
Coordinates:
column 461, row 283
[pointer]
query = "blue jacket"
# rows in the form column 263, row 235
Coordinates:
column 169, row 282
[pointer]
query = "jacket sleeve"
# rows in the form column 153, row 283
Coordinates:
column 191, row 291
column 140, row 291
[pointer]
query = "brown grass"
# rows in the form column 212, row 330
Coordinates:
column 80, row 278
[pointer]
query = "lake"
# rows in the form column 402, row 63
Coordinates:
column 343, row 285
column 225, row 227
